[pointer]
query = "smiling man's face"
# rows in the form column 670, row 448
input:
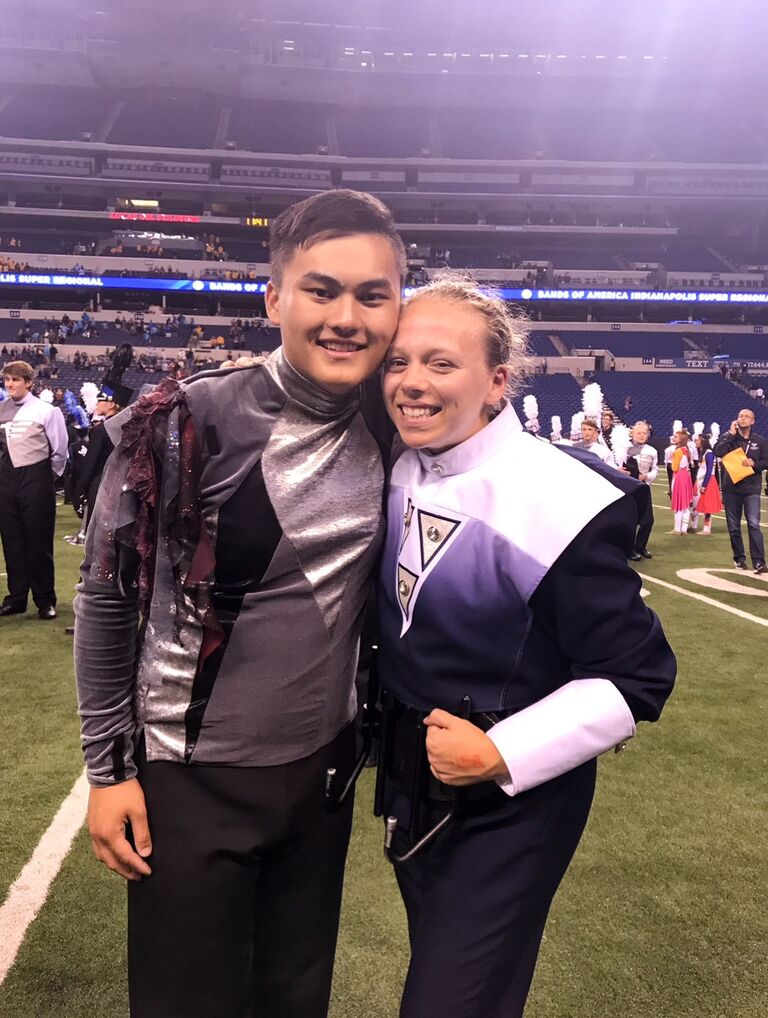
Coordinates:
column 337, row 306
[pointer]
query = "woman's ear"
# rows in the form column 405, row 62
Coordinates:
column 497, row 389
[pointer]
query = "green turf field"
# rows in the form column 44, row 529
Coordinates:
column 664, row 913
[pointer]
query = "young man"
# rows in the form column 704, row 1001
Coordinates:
column 33, row 453
column 240, row 518
column 744, row 495
column 590, row 442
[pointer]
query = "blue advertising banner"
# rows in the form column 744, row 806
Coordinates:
column 163, row 283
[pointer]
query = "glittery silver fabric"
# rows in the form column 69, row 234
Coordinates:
column 284, row 682
column 171, row 646
column 324, row 476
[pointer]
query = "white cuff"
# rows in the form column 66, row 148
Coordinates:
column 577, row 722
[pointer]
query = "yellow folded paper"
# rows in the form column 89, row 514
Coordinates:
column 734, row 465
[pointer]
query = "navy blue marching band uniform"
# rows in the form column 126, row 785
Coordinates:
column 503, row 601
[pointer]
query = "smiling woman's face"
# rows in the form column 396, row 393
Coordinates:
column 438, row 387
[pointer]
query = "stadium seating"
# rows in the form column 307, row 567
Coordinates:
column 556, row 394
column 54, row 114
column 384, row 133
column 740, row 346
column 185, row 121
column 541, row 345
column 626, row 344
column 277, row 127
column 661, row 397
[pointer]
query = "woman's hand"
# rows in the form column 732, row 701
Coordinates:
column 460, row 753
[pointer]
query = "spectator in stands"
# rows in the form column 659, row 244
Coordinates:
column 33, row 453
column 742, row 494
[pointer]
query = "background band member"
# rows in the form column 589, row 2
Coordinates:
column 33, row 453
column 110, row 401
column 682, row 486
column 590, row 442
column 706, row 500
column 643, row 465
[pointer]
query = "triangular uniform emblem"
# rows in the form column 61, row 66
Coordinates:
column 434, row 531
column 406, row 584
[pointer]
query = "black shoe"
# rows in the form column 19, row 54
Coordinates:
column 11, row 609
column 741, row 563
column 645, row 553
column 760, row 568
column 49, row 612
column 635, row 557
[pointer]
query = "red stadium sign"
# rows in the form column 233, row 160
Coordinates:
column 153, row 217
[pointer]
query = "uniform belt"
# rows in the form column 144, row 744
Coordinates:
column 406, row 764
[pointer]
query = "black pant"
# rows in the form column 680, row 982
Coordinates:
column 644, row 528
column 477, row 900
column 240, row 915
column 27, row 524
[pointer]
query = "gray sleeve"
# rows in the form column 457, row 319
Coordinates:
column 56, row 430
column 106, row 635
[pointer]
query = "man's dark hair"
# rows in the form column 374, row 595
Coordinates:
column 328, row 216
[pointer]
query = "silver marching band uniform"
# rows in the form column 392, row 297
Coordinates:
column 33, row 453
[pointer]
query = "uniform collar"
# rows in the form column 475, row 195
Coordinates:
column 27, row 399
column 308, row 393
column 476, row 449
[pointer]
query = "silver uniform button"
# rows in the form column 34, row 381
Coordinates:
column 403, row 588
column 433, row 534
column 437, row 468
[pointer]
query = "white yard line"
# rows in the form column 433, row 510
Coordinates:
column 28, row 892
column 705, row 600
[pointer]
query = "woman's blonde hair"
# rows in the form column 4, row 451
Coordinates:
column 506, row 328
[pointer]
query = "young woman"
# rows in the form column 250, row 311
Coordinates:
column 706, row 500
column 514, row 648
column 682, row 486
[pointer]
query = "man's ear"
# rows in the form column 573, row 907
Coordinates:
column 272, row 302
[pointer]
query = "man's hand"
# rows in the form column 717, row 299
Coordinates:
column 734, row 427
column 109, row 810
column 460, row 753
column 747, row 462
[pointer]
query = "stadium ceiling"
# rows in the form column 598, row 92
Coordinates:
column 683, row 31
